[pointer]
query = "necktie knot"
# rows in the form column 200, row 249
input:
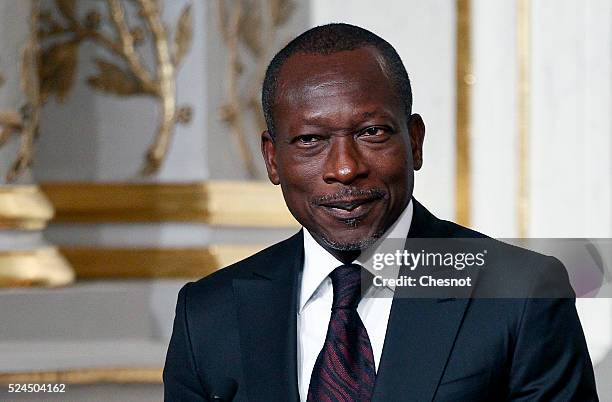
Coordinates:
column 346, row 281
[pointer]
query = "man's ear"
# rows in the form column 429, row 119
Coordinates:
column 416, row 129
column 268, row 150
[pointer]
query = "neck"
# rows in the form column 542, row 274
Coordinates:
column 344, row 256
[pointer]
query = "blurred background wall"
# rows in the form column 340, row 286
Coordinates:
column 130, row 164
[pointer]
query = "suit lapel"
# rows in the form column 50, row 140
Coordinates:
column 267, row 305
column 420, row 334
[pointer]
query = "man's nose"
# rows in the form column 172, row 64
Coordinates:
column 344, row 163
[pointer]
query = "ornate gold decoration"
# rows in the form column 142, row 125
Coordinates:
column 25, row 122
column 10, row 123
column 464, row 82
column 24, row 208
column 252, row 24
column 61, row 40
column 114, row 375
column 222, row 203
column 523, row 51
column 7, row 119
column 132, row 263
column 40, row 267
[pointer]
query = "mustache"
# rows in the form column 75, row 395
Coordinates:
column 349, row 193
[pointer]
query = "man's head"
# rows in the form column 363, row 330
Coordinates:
column 341, row 139
column 333, row 38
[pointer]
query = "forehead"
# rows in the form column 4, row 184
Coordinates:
column 309, row 80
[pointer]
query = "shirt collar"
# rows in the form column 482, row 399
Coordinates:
column 319, row 263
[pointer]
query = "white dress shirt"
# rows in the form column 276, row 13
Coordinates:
column 316, row 296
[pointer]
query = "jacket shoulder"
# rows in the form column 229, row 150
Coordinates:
column 510, row 270
column 220, row 282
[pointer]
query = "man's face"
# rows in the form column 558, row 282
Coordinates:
column 344, row 152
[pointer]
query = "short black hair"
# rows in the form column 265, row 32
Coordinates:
column 333, row 38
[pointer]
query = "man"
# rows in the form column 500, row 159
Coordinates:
column 288, row 324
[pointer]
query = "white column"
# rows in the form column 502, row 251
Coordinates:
column 494, row 118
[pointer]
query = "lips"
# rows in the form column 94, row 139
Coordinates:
column 349, row 208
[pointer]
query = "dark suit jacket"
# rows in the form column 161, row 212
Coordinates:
column 239, row 324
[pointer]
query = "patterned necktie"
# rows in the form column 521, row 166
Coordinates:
column 344, row 370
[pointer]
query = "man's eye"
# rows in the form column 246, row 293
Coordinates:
column 307, row 139
column 375, row 131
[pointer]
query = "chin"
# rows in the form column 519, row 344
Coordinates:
column 356, row 244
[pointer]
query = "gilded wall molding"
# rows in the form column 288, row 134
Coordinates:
column 464, row 80
column 523, row 52
column 62, row 34
column 114, row 375
column 149, row 263
column 24, row 208
column 44, row 267
column 221, row 203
